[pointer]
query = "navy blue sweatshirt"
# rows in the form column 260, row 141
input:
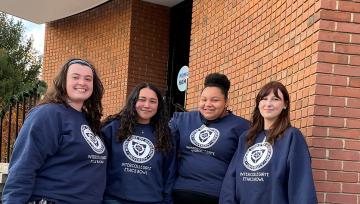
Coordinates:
column 56, row 156
column 137, row 173
column 270, row 174
column 206, row 149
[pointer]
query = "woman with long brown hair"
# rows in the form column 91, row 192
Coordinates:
column 272, row 164
column 58, row 156
column 141, row 165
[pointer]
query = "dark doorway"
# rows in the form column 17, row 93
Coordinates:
column 180, row 30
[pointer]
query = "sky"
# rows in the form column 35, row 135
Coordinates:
column 35, row 30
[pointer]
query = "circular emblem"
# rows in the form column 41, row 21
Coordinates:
column 138, row 149
column 204, row 137
column 93, row 140
column 257, row 156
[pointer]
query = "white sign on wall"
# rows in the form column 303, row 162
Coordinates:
column 182, row 78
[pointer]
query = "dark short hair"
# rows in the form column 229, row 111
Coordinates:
column 218, row 80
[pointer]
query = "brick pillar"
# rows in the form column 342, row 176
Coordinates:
column 336, row 113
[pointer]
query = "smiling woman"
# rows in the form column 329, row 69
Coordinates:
column 60, row 140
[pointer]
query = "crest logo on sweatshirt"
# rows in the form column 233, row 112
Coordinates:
column 204, row 137
column 93, row 140
column 257, row 156
column 138, row 149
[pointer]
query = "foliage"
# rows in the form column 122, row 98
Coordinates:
column 20, row 64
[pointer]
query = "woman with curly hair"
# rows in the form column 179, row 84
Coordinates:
column 272, row 164
column 58, row 157
column 141, row 155
column 207, row 140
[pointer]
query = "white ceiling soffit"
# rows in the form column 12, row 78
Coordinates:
column 168, row 3
column 42, row 11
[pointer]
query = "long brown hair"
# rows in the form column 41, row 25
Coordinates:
column 128, row 118
column 92, row 106
column 280, row 125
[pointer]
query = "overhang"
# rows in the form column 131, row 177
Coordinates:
column 43, row 11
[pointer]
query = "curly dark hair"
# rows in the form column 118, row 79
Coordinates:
column 128, row 118
column 280, row 125
column 218, row 80
column 92, row 106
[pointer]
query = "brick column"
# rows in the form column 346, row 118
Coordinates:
column 336, row 123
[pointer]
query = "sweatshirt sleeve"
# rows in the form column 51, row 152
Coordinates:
column 228, row 188
column 173, row 124
column 37, row 140
column 169, row 174
column 301, row 187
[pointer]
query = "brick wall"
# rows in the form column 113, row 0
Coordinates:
column 102, row 36
column 123, row 41
column 311, row 46
column 149, row 44
column 336, row 117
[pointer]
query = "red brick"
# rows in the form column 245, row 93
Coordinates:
column 318, row 153
column 344, row 133
column 327, row 143
column 331, row 79
column 335, row 36
column 333, row 58
column 351, row 188
column 342, row 176
column 348, row 27
column 328, row 187
column 324, row 67
column 322, row 89
column 353, row 145
column 345, row 112
column 325, row 46
column 354, row 82
column 341, row 198
column 345, row 91
column 329, row 100
column 354, row 60
column 326, row 164
column 355, row 38
column 328, row 4
column 319, row 175
column 327, row 25
column 320, row 197
column 352, row 123
column 319, row 131
column 321, row 110
column 335, row 15
column 349, row 6
column 346, row 155
column 347, row 49
column 346, row 70
column 353, row 103
column 351, row 166
column 356, row 18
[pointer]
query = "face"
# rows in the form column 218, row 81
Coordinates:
column 270, row 107
column 212, row 103
column 79, row 85
column 146, row 106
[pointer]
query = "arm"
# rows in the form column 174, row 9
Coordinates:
column 300, row 184
column 228, row 188
column 169, row 173
column 37, row 140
